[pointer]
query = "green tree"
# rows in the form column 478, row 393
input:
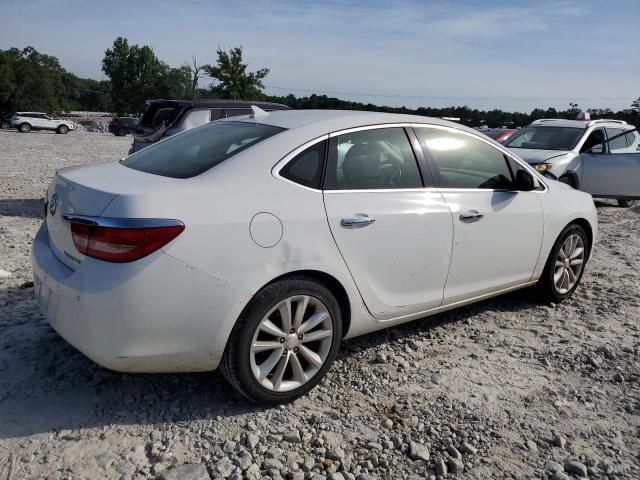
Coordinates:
column 635, row 105
column 231, row 78
column 136, row 73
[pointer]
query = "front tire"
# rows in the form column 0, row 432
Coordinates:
column 24, row 128
column 565, row 265
column 284, row 342
column 624, row 203
column 62, row 129
column 122, row 132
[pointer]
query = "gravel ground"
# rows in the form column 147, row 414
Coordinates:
column 507, row 388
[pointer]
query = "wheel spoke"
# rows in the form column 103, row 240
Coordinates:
column 317, row 335
column 577, row 261
column 268, row 364
column 576, row 253
column 562, row 254
column 285, row 315
column 565, row 280
column 279, row 373
column 559, row 264
column 558, row 275
column 572, row 276
column 311, row 356
column 301, row 308
column 298, row 372
column 314, row 320
column 269, row 327
column 262, row 345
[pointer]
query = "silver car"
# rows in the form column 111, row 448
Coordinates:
column 601, row 157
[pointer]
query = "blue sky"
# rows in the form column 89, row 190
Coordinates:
column 513, row 55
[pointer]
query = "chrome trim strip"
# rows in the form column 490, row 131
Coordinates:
column 121, row 222
column 368, row 127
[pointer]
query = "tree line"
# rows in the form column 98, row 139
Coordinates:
column 30, row 80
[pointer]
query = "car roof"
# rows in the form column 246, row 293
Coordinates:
column 218, row 103
column 30, row 113
column 324, row 121
column 561, row 122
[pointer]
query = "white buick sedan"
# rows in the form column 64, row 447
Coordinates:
column 258, row 243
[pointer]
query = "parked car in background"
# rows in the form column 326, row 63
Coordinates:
column 28, row 121
column 120, row 126
column 499, row 134
column 164, row 118
column 5, row 123
column 601, row 157
column 258, row 243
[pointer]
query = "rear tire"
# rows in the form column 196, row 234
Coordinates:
column 24, row 128
column 271, row 360
column 565, row 265
column 62, row 129
column 5, row 125
column 122, row 132
column 625, row 203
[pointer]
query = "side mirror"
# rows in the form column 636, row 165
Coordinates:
column 596, row 149
column 524, row 182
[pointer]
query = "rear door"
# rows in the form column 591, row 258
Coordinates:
column 394, row 235
column 615, row 172
column 497, row 230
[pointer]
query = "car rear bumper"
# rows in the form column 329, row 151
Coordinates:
column 153, row 315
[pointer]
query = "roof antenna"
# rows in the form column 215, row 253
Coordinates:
column 257, row 112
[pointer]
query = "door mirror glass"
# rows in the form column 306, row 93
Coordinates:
column 524, row 181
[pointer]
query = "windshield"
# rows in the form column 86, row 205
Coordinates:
column 196, row 151
column 546, row 138
column 493, row 133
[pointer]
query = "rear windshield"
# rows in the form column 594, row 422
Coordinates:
column 196, row 151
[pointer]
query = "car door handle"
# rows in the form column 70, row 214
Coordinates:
column 470, row 216
column 359, row 220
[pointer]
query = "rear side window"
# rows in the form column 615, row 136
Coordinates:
column 373, row 159
column 306, row 167
column 463, row 161
column 196, row 151
column 617, row 143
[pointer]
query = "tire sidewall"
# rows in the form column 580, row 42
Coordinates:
column 549, row 284
column 242, row 336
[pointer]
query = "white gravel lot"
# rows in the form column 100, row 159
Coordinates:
column 508, row 388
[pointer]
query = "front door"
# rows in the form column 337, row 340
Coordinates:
column 613, row 170
column 497, row 230
column 394, row 235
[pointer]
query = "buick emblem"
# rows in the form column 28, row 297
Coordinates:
column 53, row 204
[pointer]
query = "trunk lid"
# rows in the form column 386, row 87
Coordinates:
column 86, row 190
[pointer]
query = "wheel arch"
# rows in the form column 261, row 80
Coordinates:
column 329, row 281
column 584, row 223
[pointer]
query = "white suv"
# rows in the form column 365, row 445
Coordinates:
column 27, row 121
column 601, row 157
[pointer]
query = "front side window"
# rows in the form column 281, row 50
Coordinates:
column 374, row 159
column 539, row 137
column 594, row 142
column 306, row 167
column 463, row 161
column 196, row 151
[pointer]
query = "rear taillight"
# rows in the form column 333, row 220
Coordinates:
column 118, row 244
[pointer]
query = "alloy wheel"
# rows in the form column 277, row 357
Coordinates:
column 569, row 263
column 291, row 343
